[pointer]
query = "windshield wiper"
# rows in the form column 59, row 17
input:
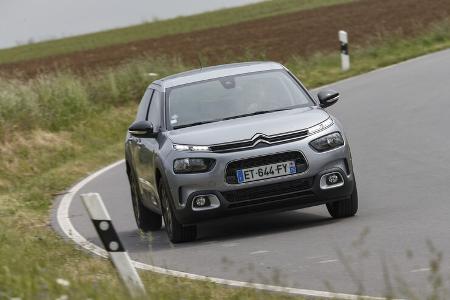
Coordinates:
column 259, row 112
column 195, row 124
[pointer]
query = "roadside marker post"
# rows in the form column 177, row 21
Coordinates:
column 108, row 235
column 345, row 57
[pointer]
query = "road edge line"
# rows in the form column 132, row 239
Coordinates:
column 68, row 230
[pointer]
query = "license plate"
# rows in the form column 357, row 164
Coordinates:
column 266, row 171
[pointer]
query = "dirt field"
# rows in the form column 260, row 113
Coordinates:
column 275, row 38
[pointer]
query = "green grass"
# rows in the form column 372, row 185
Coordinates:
column 32, row 257
column 385, row 50
column 161, row 28
column 45, row 148
column 55, row 129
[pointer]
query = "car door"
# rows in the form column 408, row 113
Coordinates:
column 146, row 153
column 135, row 143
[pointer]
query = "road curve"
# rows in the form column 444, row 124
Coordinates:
column 397, row 120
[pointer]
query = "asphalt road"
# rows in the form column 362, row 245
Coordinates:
column 397, row 121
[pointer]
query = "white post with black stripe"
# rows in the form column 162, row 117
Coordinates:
column 345, row 57
column 108, row 235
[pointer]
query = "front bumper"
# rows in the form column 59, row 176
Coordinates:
column 287, row 200
column 284, row 193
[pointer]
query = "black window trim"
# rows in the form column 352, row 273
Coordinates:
column 149, row 102
column 157, row 97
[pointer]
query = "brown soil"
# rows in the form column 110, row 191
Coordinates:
column 275, row 38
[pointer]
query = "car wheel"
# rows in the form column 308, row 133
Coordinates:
column 176, row 231
column 146, row 220
column 344, row 208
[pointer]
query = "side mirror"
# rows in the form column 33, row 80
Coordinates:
column 327, row 98
column 142, row 129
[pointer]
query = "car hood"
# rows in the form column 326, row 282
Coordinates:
column 245, row 128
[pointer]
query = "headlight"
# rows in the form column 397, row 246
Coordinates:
column 327, row 142
column 190, row 148
column 192, row 165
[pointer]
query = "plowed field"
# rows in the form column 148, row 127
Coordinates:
column 275, row 38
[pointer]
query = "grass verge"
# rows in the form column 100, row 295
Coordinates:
column 161, row 28
column 32, row 258
column 48, row 143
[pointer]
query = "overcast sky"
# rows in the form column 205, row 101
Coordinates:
column 25, row 20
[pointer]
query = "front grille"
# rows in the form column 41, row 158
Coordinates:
column 300, row 163
column 285, row 191
column 259, row 141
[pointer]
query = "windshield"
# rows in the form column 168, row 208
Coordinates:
column 233, row 97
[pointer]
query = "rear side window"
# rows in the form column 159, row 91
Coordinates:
column 143, row 106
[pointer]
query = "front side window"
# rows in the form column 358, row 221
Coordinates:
column 143, row 105
column 233, row 97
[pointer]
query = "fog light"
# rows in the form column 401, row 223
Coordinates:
column 201, row 201
column 332, row 179
column 205, row 202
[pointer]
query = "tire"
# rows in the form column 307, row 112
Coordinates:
column 146, row 220
column 176, row 231
column 344, row 208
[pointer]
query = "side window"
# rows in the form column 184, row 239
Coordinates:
column 143, row 106
column 154, row 114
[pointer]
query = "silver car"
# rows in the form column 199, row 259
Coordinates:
column 235, row 139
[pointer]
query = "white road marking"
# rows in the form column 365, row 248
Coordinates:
column 420, row 270
column 315, row 257
column 327, row 261
column 63, row 220
column 259, row 252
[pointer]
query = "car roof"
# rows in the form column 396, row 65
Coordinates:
column 216, row 72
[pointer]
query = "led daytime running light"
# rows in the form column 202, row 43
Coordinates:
column 191, row 148
column 321, row 126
